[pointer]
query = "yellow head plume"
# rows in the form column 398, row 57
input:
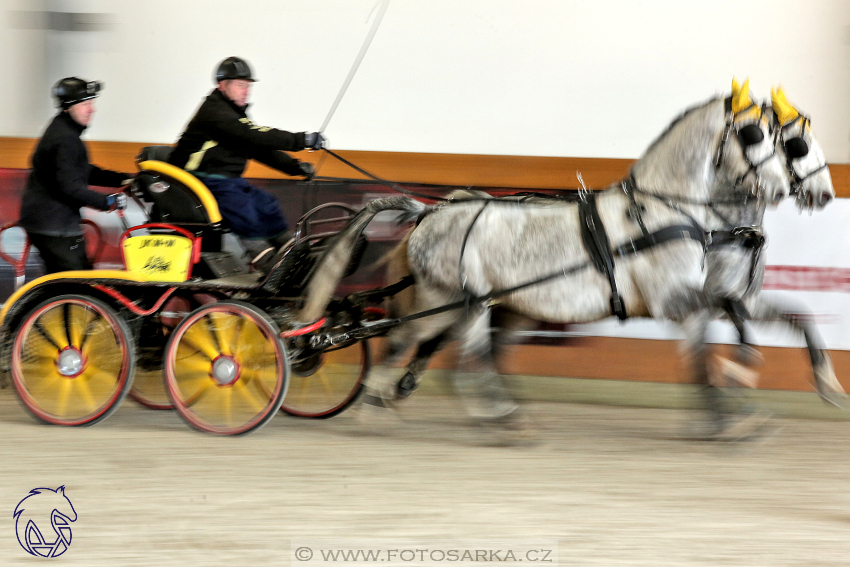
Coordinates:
column 741, row 101
column 783, row 109
column 740, row 96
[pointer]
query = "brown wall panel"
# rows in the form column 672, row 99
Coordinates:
column 522, row 172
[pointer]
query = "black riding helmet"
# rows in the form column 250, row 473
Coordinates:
column 234, row 68
column 72, row 90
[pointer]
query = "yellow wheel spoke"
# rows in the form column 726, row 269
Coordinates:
column 227, row 403
column 64, row 394
column 217, row 325
column 201, row 341
column 236, row 331
column 97, row 377
column 53, row 334
column 101, row 341
column 37, row 345
column 82, row 386
column 200, row 385
column 44, row 386
column 240, row 386
column 76, row 323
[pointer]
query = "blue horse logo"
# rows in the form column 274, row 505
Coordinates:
column 45, row 505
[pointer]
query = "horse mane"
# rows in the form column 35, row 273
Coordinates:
column 677, row 120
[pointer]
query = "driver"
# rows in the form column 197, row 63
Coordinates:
column 59, row 182
column 216, row 146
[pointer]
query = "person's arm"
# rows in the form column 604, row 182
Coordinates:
column 244, row 133
column 280, row 161
column 72, row 180
column 106, row 177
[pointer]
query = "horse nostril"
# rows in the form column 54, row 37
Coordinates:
column 825, row 198
column 777, row 198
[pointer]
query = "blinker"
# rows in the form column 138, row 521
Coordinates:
column 750, row 134
column 796, row 147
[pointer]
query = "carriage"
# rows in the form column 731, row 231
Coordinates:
column 234, row 346
column 186, row 309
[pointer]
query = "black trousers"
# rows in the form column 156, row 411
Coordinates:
column 61, row 253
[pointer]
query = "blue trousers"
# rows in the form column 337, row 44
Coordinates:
column 251, row 212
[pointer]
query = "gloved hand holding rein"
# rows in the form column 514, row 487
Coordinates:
column 313, row 141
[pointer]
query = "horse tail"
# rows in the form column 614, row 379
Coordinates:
column 398, row 267
column 331, row 266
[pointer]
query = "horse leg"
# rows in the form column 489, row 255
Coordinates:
column 480, row 386
column 383, row 387
column 826, row 383
column 408, row 383
column 696, row 347
column 737, row 372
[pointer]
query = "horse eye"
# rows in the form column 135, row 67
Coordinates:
column 796, row 147
column 750, row 134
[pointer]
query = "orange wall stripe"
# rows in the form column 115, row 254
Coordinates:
column 522, row 172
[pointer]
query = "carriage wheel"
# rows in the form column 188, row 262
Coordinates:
column 326, row 383
column 226, row 368
column 72, row 360
column 149, row 385
column 149, row 390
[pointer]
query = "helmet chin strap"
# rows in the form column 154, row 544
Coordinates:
column 360, row 56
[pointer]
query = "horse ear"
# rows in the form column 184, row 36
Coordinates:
column 740, row 96
column 783, row 109
column 61, row 490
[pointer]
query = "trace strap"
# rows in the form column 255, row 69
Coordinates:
column 667, row 234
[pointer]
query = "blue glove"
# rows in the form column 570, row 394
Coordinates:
column 314, row 140
column 116, row 201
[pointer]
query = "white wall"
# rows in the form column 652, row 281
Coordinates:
column 522, row 77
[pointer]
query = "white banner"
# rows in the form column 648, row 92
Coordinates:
column 807, row 265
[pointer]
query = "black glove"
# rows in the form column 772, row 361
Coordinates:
column 116, row 201
column 307, row 170
column 314, row 141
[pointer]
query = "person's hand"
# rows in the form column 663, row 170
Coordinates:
column 307, row 170
column 116, row 201
column 314, row 140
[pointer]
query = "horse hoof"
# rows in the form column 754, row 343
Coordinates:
column 376, row 412
column 406, row 386
column 749, row 427
column 828, row 386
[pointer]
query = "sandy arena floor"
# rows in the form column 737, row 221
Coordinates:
column 611, row 485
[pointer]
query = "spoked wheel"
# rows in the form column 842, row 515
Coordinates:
column 226, row 368
column 324, row 384
column 149, row 385
column 72, row 360
column 149, row 390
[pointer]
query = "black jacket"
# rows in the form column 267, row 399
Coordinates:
column 59, row 182
column 220, row 139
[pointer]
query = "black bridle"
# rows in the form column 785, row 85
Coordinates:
column 795, row 147
column 748, row 134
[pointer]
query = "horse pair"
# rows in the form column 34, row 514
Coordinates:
column 667, row 243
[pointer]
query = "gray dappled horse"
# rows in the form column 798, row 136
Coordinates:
column 735, row 265
column 552, row 261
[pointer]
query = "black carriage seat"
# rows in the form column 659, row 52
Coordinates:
column 177, row 197
column 295, row 266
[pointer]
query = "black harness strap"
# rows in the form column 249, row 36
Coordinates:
column 595, row 241
column 750, row 237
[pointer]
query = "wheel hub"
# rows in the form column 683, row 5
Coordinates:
column 70, row 362
column 225, row 370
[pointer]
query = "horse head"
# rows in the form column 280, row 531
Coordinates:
column 804, row 158
column 750, row 161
